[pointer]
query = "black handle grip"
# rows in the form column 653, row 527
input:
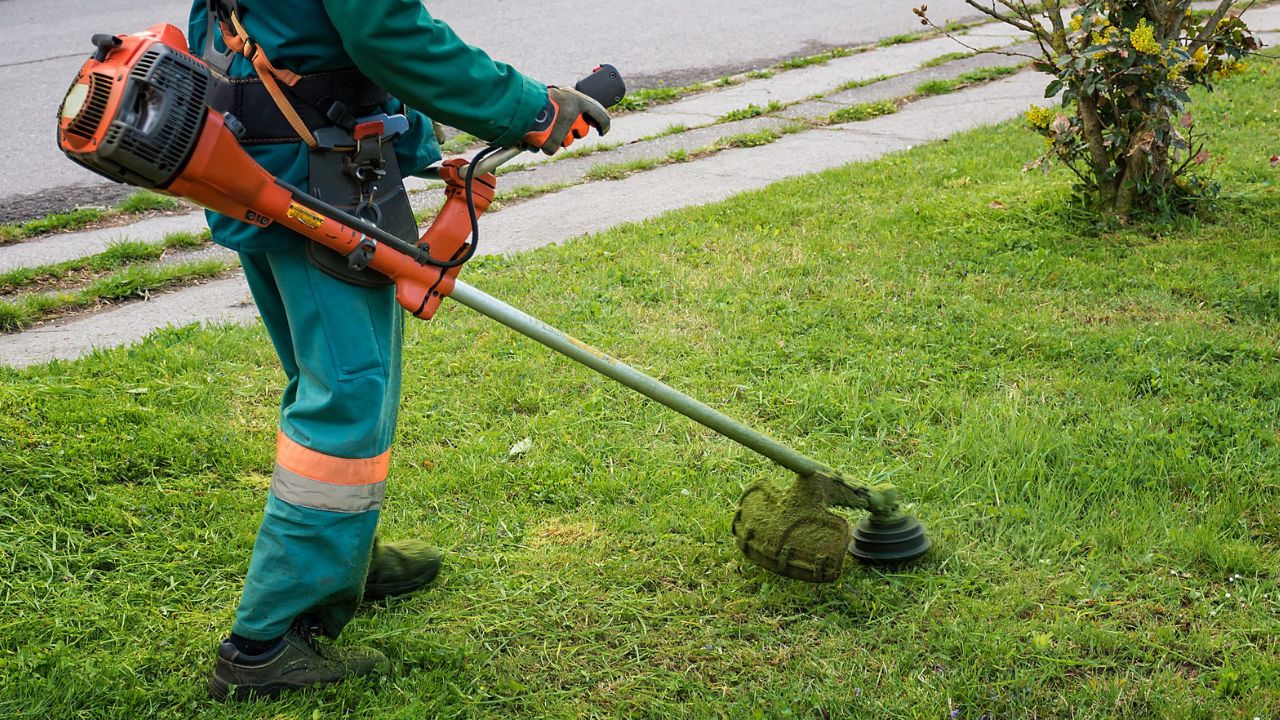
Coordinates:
column 105, row 44
column 604, row 85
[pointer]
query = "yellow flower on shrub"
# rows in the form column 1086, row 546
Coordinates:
column 1039, row 117
column 1077, row 22
column 1143, row 39
column 1229, row 68
column 1200, row 57
column 1105, row 33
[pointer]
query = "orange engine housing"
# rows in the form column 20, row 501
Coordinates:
column 138, row 114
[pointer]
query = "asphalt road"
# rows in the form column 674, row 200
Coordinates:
column 653, row 41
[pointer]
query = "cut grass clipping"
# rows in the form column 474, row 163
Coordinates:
column 139, row 202
column 130, row 282
column 1086, row 419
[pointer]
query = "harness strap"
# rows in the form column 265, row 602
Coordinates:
column 240, row 42
column 313, row 97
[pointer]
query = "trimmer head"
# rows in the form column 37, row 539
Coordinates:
column 889, row 541
column 791, row 532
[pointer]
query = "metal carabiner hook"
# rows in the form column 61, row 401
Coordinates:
column 369, row 211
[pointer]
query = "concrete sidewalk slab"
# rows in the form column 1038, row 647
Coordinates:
column 796, row 85
column 941, row 116
column 576, row 170
column 559, row 217
column 904, row 85
column 1264, row 19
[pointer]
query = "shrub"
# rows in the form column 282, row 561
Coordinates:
column 1124, row 68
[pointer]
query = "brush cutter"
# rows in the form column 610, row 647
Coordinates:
column 138, row 113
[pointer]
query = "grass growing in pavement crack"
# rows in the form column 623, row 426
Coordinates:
column 758, row 138
column 139, row 202
column 55, row 222
column 617, row 171
column 144, row 201
column 750, row 111
column 514, row 167
column 129, row 282
column 818, row 59
column 644, row 98
column 584, row 151
column 973, row 77
column 855, row 84
column 129, row 252
column 951, row 27
column 523, row 192
column 863, row 111
column 669, row 130
column 949, row 57
column 459, row 144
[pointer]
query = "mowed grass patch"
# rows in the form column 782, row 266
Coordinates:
column 1085, row 419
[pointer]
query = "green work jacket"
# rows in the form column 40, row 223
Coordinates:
column 419, row 60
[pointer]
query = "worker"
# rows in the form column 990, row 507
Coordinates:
column 300, row 73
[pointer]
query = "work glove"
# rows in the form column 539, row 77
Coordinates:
column 569, row 115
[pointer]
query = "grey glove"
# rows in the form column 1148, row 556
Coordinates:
column 569, row 115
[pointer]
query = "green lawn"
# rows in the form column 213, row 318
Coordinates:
column 1086, row 420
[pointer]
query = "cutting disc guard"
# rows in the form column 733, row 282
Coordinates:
column 790, row 532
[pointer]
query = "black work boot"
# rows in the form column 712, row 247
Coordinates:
column 299, row 661
column 399, row 568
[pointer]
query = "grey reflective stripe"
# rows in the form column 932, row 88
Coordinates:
column 305, row 492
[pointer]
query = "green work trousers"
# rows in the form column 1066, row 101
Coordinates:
column 340, row 348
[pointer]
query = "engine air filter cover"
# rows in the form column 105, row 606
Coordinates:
column 139, row 124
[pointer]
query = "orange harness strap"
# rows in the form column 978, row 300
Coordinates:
column 271, row 76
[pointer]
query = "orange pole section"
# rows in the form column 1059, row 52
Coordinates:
column 223, row 177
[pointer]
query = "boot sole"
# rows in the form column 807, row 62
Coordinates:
column 223, row 691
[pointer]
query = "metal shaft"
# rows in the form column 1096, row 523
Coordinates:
column 613, row 368
column 493, row 162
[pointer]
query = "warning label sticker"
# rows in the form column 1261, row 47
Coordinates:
column 310, row 218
